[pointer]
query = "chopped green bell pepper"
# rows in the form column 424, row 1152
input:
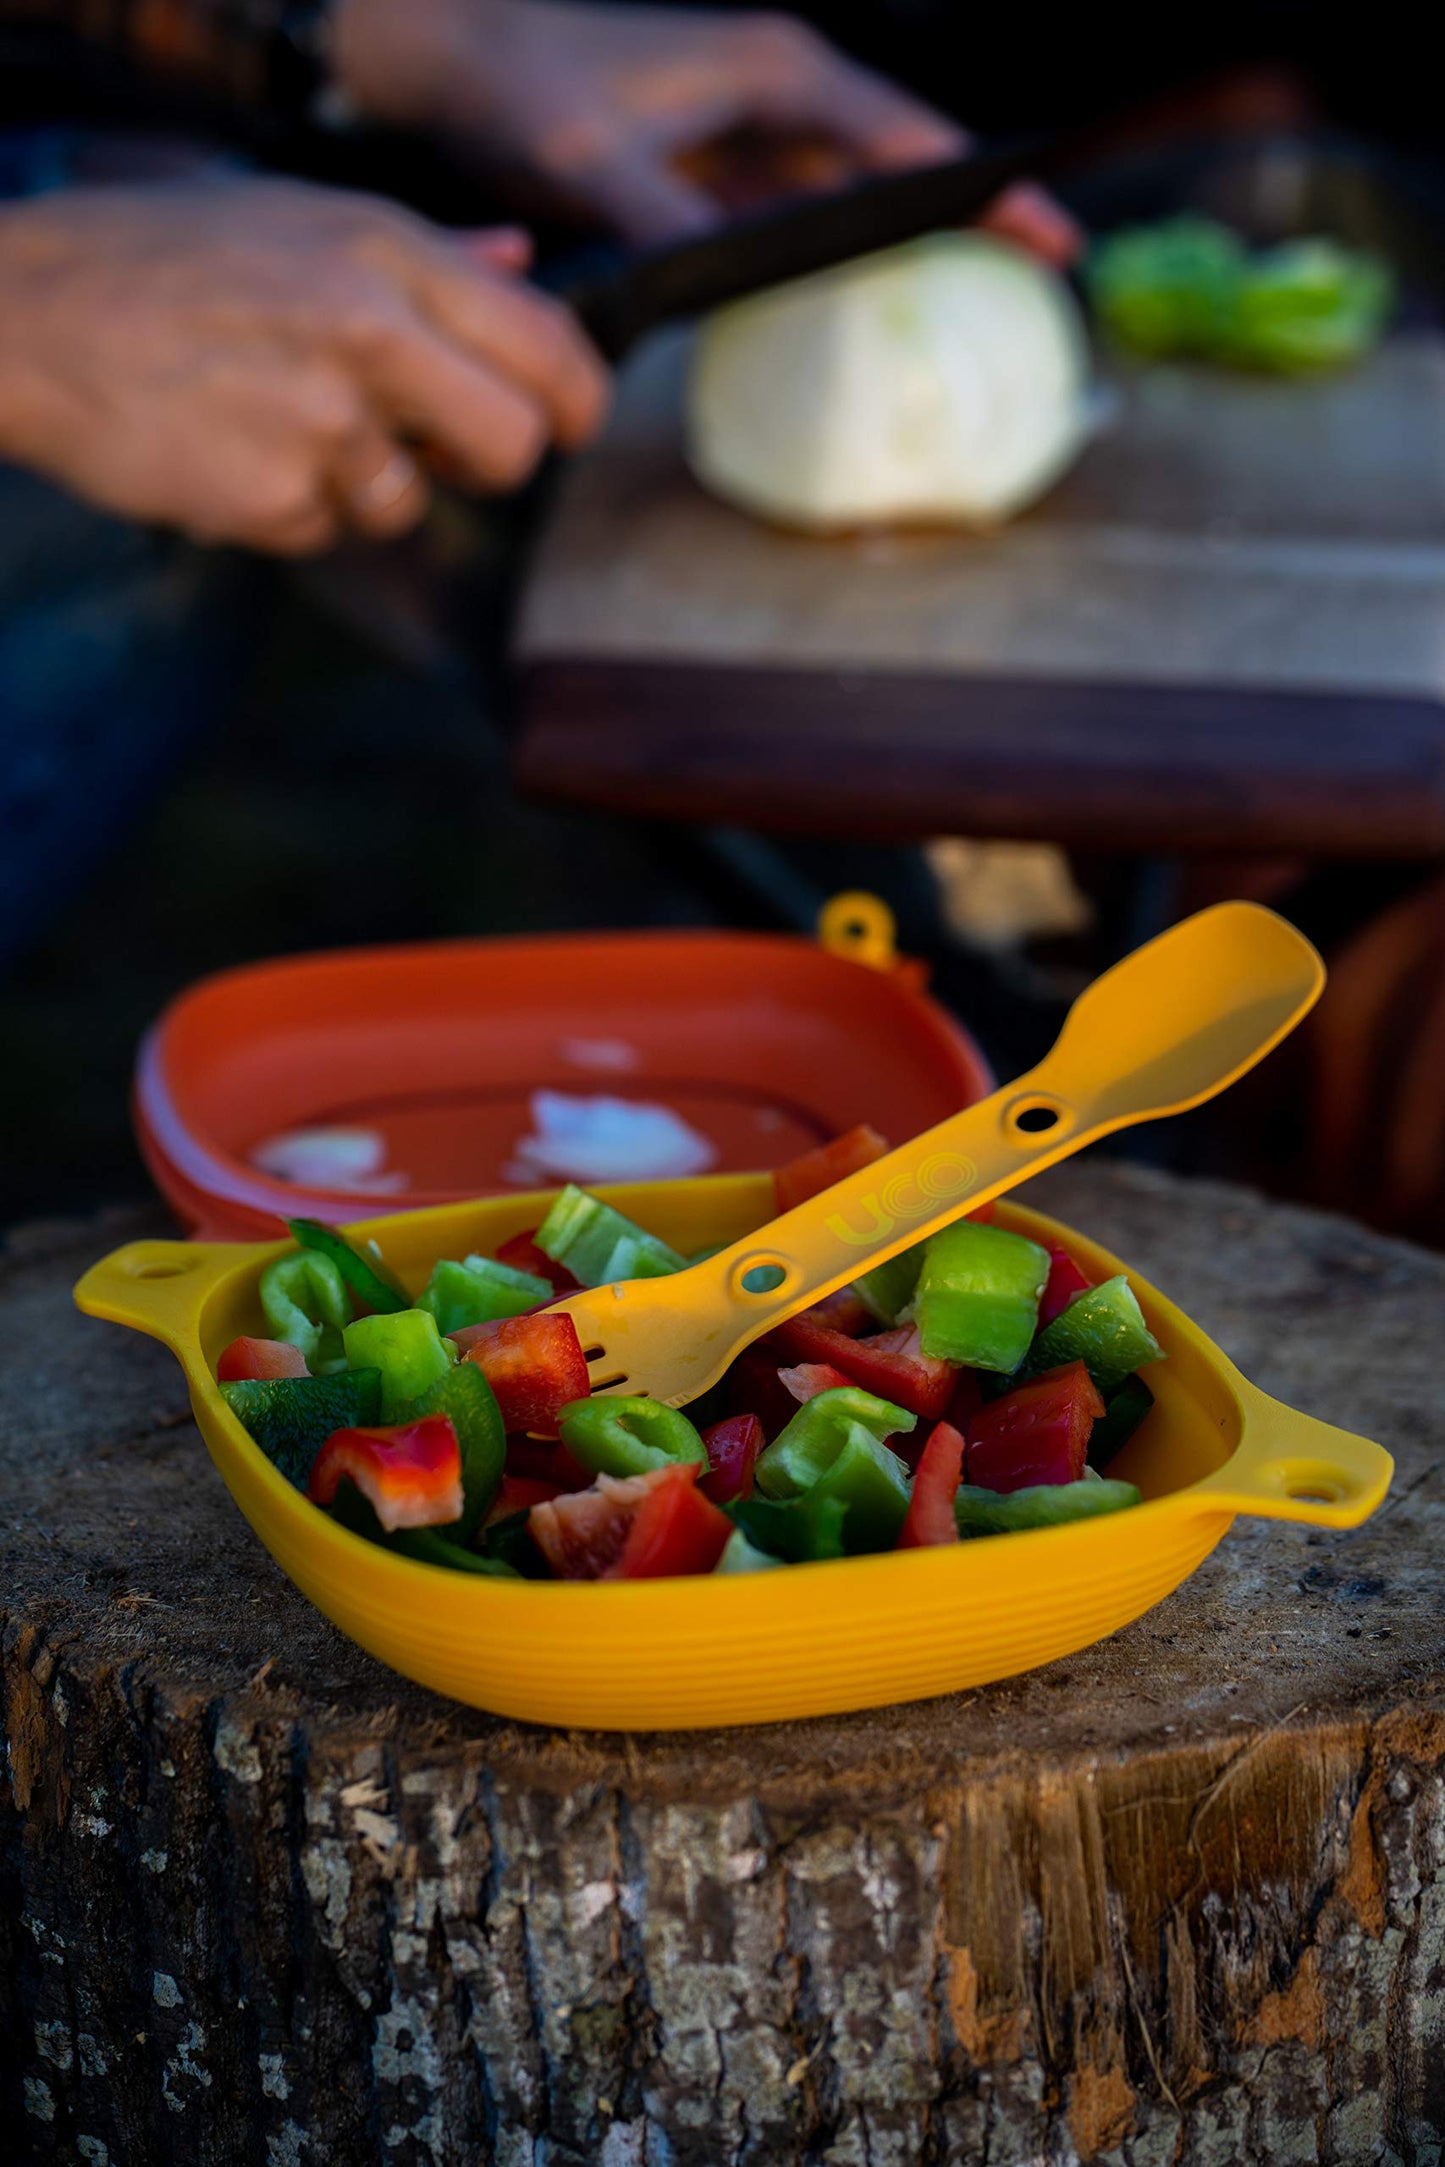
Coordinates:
column 464, row 1396
column 1123, row 1412
column 599, row 1245
column 805, row 1529
column 363, row 1272
column 803, row 1452
column 978, row 1295
column 1103, row 1328
column 741, row 1556
column 479, row 1292
column 408, row 1350
column 887, row 1290
column 304, row 1300
column 625, row 1436
column 292, row 1417
column 1050, row 1504
column 873, row 1484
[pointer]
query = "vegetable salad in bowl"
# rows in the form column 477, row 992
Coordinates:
column 975, row 1385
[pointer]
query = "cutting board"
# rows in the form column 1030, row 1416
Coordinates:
column 1224, row 629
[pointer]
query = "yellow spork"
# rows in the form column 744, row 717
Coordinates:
column 1169, row 1027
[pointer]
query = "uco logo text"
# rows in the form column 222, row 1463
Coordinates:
column 939, row 1179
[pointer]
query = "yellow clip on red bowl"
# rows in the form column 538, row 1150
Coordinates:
column 754, row 1647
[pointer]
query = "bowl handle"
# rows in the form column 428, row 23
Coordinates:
column 1288, row 1466
column 161, row 1287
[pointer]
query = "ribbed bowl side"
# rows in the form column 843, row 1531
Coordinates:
column 758, row 1648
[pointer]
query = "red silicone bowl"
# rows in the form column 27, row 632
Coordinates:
column 765, row 1044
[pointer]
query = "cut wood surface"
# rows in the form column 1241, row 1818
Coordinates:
column 1222, row 630
column 1180, row 1898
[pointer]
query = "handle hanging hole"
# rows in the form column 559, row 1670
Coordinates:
column 159, row 1271
column 758, row 1275
column 1035, row 1117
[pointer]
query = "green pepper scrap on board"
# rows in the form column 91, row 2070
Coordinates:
column 1191, row 288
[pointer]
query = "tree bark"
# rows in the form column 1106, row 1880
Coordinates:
column 1180, row 1898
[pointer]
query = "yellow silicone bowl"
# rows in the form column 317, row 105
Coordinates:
column 751, row 1648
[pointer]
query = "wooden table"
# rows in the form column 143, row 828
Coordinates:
column 1178, row 1899
column 1225, row 630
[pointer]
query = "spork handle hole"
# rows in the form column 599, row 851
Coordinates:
column 1035, row 1117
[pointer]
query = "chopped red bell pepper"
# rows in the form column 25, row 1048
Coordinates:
column 1065, row 1280
column 580, row 1535
column 639, row 1528
column 534, row 1364
column 966, row 1402
column 842, row 1311
column 818, row 1170
column 674, row 1530
column 808, row 1379
column 1037, row 1433
column 261, row 1359
column 522, row 1253
column 753, row 1387
column 891, row 1364
column 540, row 1459
column 732, row 1447
column 519, row 1493
column 410, row 1473
column 930, row 1508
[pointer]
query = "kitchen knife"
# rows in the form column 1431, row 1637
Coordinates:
column 619, row 301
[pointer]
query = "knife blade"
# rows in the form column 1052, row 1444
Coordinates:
column 621, row 302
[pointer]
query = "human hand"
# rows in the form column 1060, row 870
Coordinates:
column 616, row 107
column 258, row 361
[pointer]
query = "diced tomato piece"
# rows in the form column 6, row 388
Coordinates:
column 842, row 1311
column 1065, row 1280
column 986, row 1213
column 522, row 1253
column 753, row 1387
column 260, row 1358
column 892, row 1364
column 674, row 1530
column 410, row 1473
column 1037, row 1433
column 930, row 1509
column 808, row 1379
column 732, row 1447
column 640, row 1528
column 534, row 1364
column 519, row 1493
column 818, row 1170
column 541, row 1459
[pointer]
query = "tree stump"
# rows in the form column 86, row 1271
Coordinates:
column 1180, row 1898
